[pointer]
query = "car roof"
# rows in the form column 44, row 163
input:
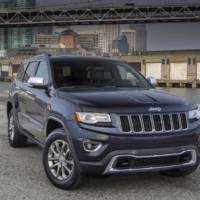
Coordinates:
column 71, row 58
column 81, row 58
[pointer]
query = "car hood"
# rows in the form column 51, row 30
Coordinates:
column 126, row 100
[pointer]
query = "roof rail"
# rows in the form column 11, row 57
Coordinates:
column 47, row 54
column 42, row 55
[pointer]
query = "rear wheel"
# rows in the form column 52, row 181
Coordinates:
column 15, row 138
column 180, row 172
column 59, row 163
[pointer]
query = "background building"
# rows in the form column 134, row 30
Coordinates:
column 131, row 39
column 47, row 40
column 120, row 45
column 140, row 37
column 68, row 39
column 112, row 32
column 88, row 40
column 101, row 41
column 16, row 37
column 24, row 3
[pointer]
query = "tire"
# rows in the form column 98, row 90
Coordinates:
column 15, row 138
column 180, row 172
column 59, row 162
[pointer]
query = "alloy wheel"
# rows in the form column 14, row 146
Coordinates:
column 60, row 161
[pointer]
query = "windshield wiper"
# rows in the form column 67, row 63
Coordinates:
column 98, row 86
column 85, row 87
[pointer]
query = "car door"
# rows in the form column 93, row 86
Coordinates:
column 36, row 108
column 23, row 94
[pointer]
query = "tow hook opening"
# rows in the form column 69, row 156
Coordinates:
column 124, row 163
column 185, row 158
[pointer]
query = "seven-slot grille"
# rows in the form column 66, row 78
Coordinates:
column 147, row 123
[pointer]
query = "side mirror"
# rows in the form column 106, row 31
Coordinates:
column 152, row 80
column 37, row 82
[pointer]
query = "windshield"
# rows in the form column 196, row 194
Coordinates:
column 91, row 74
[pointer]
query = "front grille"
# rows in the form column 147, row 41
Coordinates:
column 125, row 124
column 148, row 123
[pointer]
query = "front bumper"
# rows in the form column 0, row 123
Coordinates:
column 127, row 163
column 151, row 146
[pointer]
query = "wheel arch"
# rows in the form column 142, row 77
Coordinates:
column 52, row 124
column 9, row 107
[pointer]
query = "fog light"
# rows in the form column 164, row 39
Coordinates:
column 91, row 146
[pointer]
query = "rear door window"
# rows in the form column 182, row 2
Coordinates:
column 21, row 72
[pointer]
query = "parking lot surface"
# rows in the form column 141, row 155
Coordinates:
column 22, row 178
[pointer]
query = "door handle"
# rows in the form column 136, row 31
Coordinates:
column 30, row 93
column 18, row 88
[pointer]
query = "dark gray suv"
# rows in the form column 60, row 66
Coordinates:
column 99, row 116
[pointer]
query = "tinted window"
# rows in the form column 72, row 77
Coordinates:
column 21, row 71
column 92, row 74
column 42, row 71
column 30, row 71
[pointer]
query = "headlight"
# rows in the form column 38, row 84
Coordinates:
column 194, row 114
column 92, row 118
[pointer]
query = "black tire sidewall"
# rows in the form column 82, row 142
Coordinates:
column 9, row 117
column 17, row 135
column 74, row 180
column 19, row 140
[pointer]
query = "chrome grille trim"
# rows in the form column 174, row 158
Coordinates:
column 110, row 169
column 153, row 122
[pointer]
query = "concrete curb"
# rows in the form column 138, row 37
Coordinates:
column 3, row 97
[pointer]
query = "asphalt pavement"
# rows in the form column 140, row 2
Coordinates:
column 22, row 178
column 4, row 86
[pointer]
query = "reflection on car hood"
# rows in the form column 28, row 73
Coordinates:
column 124, row 98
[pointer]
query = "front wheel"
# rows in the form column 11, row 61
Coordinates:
column 59, row 163
column 180, row 172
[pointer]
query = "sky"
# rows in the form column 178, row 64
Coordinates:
column 173, row 36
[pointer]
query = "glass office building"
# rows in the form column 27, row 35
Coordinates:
column 17, row 3
column 24, row 3
column 16, row 37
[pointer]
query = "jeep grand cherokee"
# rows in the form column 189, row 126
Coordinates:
column 99, row 116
